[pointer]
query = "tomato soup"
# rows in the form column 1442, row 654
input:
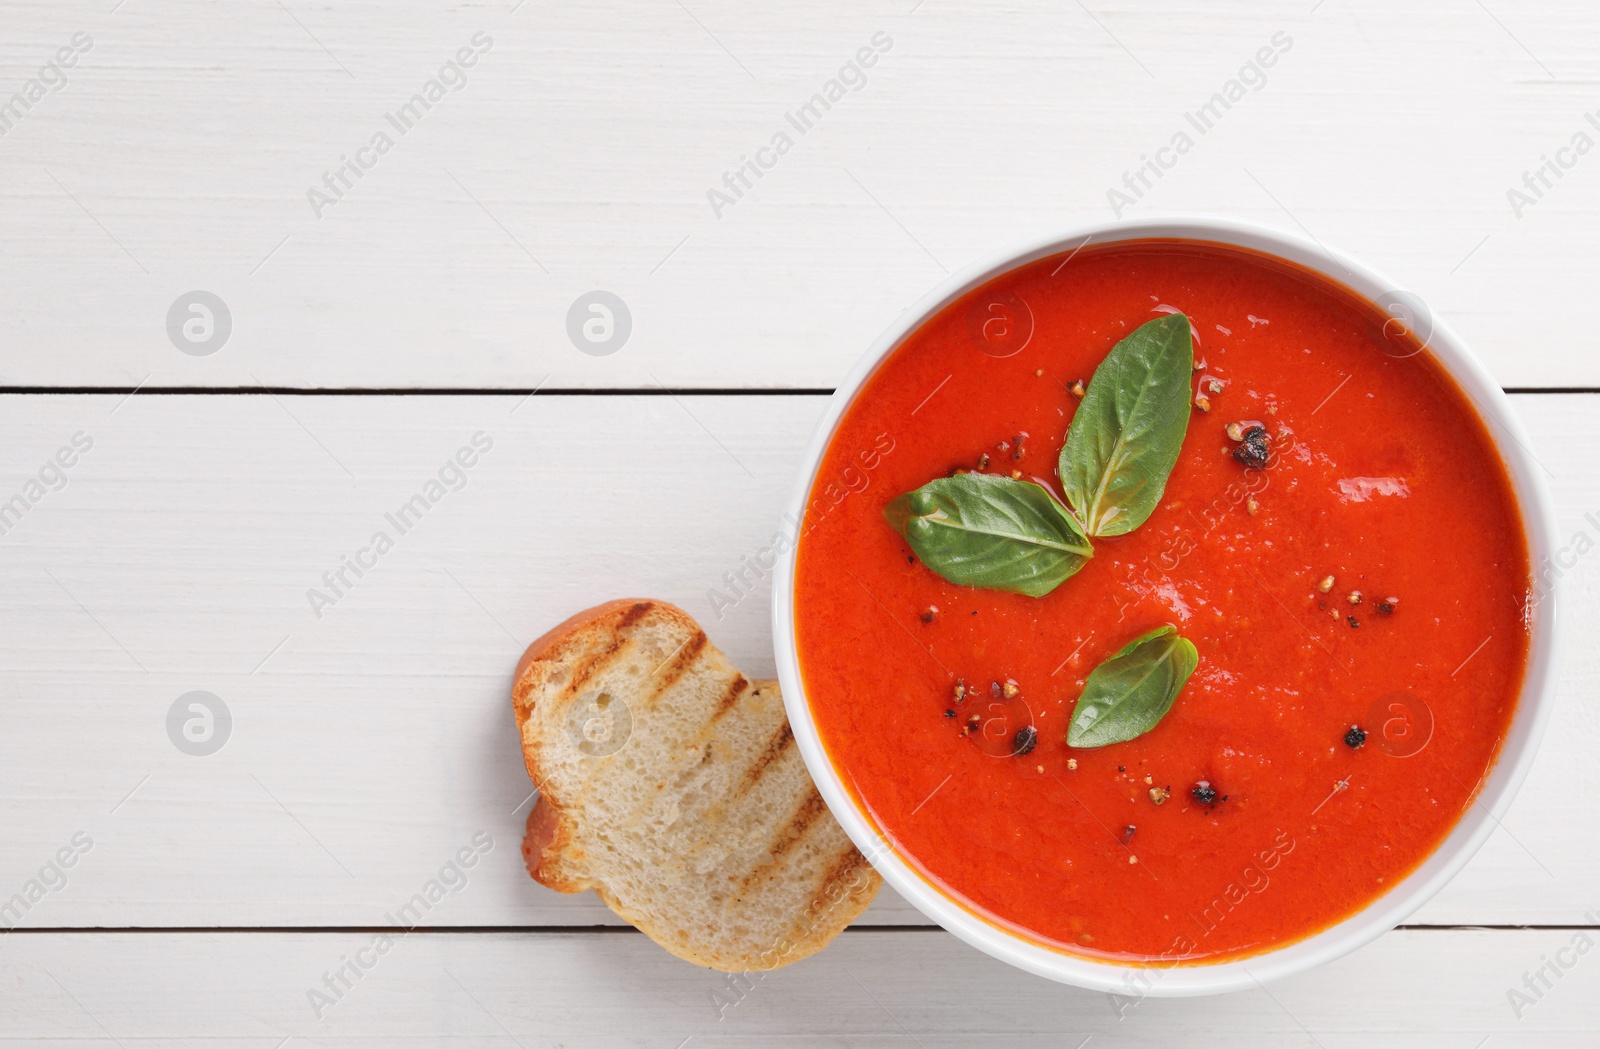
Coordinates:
column 1358, row 605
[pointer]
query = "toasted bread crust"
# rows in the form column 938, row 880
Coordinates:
column 550, row 837
column 549, row 677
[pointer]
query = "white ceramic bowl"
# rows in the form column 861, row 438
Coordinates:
column 1385, row 912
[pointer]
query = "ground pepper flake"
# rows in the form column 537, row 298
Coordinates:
column 1355, row 737
column 1255, row 450
column 1024, row 741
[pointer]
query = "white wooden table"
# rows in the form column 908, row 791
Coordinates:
column 375, row 333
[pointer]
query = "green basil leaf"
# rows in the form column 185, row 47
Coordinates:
column 1126, row 435
column 1129, row 693
column 993, row 532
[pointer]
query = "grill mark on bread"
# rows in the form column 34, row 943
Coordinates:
column 834, row 888
column 587, row 669
column 635, row 613
column 736, row 689
column 790, row 835
column 798, row 824
column 676, row 666
column 781, row 741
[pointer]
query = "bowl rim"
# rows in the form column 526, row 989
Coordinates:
column 1505, row 776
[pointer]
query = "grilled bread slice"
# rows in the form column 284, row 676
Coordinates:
column 672, row 787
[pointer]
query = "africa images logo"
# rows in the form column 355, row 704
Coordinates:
column 852, row 76
column 451, row 77
column 450, row 477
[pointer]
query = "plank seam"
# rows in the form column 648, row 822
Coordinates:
column 452, row 930
column 426, row 391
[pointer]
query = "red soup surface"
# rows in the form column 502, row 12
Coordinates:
column 1382, row 477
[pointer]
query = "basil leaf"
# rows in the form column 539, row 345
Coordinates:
column 1128, row 431
column 992, row 532
column 1129, row 693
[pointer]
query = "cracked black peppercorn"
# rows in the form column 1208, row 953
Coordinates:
column 1355, row 737
column 1354, row 622
column 1025, row 740
column 1254, row 449
column 1204, row 793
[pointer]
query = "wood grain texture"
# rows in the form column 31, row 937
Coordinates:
column 1434, row 989
column 371, row 744
column 579, row 153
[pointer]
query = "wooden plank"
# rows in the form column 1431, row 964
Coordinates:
column 580, row 150
column 368, row 746
column 1434, row 989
